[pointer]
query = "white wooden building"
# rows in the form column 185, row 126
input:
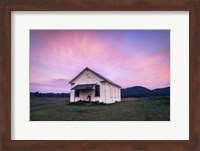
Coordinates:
column 91, row 86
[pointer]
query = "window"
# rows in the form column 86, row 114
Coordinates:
column 118, row 93
column 97, row 90
column 77, row 93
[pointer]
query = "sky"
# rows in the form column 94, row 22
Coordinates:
column 126, row 57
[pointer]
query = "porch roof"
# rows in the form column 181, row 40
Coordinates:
column 84, row 87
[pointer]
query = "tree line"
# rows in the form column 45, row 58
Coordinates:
column 52, row 95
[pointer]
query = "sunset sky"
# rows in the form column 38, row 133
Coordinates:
column 126, row 57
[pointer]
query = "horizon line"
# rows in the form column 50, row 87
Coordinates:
column 121, row 88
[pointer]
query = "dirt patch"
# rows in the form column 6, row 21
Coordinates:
column 129, row 99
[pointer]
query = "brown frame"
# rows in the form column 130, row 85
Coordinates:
column 193, row 6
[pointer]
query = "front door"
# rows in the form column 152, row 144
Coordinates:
column 87, row 95
column 89, row 98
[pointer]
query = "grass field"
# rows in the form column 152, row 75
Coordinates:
column 141, row 109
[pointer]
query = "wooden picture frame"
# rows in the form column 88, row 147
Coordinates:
column 193, row 6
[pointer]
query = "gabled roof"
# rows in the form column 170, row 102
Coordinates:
column 84, row 87
column 104, row 78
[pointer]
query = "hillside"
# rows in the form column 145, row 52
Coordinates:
column 139, row 91
column 161, row 91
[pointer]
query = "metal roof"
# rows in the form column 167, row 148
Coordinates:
column 104, row 78
column 84, row 87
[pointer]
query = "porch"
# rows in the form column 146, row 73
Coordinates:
column 86, row 92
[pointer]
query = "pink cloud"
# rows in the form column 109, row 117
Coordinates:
column 63, row 54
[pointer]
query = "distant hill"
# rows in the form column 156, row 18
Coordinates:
column 161, row 91
column 139, row 91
